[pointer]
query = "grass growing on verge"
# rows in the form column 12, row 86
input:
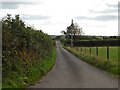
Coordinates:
column 33, row 74
column 110, row 66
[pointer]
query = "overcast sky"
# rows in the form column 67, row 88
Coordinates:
column 96, row 17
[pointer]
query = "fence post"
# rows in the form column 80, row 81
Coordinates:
column 90, row 50
column 81, row 49
column 107, row 52
column 76, row 49
column 85, row 50
column 97, row 51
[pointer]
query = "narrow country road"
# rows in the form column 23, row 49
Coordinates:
column 71, row 72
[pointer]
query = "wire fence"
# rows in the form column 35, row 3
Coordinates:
column 106, row 52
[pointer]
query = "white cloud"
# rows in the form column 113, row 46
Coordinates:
column 53, row 16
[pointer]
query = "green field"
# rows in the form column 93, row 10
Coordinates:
column 102, row 52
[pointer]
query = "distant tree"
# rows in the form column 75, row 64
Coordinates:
column 77, row 30
column 74, row 29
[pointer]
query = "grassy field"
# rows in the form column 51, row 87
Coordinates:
column 102, row 52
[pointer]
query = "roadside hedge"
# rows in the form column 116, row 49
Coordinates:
column 94, row 43
column 23, row 47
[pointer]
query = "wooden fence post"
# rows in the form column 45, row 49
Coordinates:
column 90, row 50
column 85, row 50
column 107, row 52
column 97, row 51
column 77, row 48
column 81, row 49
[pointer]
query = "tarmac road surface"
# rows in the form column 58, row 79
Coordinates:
column 71, row 72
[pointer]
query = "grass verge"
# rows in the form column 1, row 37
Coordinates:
column 33, row 74
column 109, row 66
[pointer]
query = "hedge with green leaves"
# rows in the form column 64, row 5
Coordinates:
column 22, row 46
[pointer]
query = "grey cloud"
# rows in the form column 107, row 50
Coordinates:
column 106, row 11
column 98, row 18
column 35, row 17
column 112, row 8
column 14, row 5
column 112, row 5
column 83, row 18
column 106, row 17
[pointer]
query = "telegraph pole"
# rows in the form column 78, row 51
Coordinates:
column 72, row 39
column 72, row 27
